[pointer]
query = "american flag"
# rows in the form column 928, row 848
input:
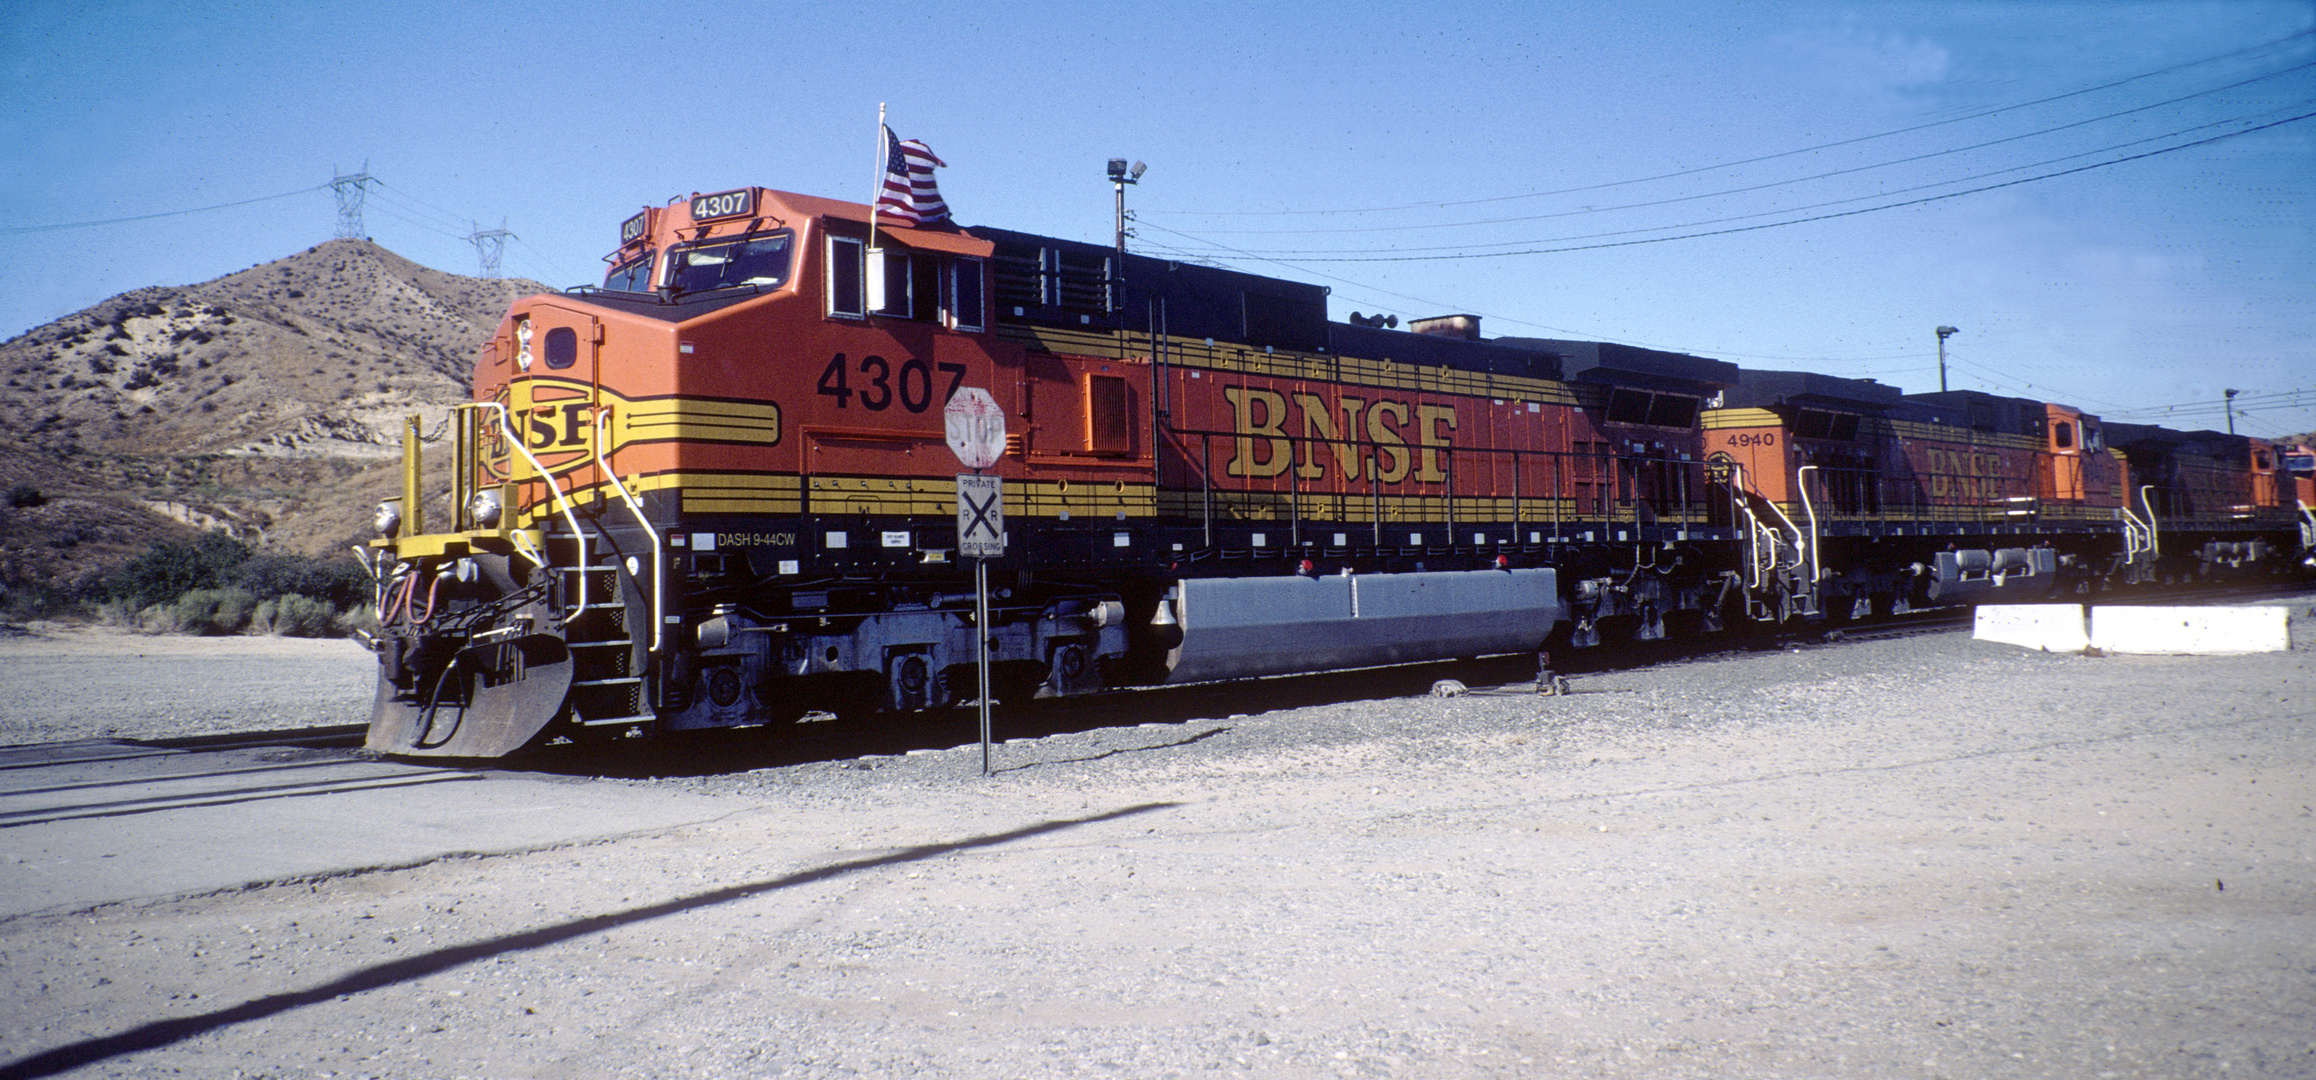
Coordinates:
column 909, row 193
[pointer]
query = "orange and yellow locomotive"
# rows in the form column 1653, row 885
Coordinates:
column 718, row 491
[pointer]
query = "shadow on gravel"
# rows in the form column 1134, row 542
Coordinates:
column 162, row 1033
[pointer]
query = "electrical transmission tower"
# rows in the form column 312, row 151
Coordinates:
column 489, row 244
column 350, row 189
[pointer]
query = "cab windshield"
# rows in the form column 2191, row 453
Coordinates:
column 760, row 261
column 633, row 275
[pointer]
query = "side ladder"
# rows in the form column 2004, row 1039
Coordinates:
column 1781, row 574
column 607, row 687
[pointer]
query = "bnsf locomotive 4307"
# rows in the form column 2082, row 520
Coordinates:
column 716, row 491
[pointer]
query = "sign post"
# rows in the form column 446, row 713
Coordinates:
column 976, row 429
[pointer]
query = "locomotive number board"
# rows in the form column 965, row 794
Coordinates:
column 724, row 204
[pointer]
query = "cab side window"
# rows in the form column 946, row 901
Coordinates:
column 846, row 295
column 965, row 302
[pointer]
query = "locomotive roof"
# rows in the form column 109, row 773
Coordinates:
column 1764, row 389
column 1974, row 409
column 2150, row 435
column 1500, row 356
column 1185, row 299
column 1605, row 361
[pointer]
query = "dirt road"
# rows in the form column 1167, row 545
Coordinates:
column 1922, row 858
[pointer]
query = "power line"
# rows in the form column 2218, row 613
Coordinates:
column 21, row 229
column 1756, row 160
column 1476, row 248
column 450, row 218
column 1803, row 220
column 1830, row 174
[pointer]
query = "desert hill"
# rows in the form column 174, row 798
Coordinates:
column 267, row 402
column 316, row 354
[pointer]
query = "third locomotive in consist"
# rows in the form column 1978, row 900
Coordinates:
column 715, row 491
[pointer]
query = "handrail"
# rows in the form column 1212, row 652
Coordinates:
column 1752, row 525
column 650, row 531
column 1754, row 528
column 2138, row 536
column 1763, row 564
column 2154, row 537
column 1809, row 553
column 562, row 502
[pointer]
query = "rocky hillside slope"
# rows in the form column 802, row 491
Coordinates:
column 267, row 402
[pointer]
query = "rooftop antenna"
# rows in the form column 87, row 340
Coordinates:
column 489, row 244
column 350, row 188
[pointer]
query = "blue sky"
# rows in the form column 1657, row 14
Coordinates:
column 1393, row 153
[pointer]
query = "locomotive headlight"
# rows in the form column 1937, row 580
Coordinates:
column 485, row 508
column 523, row 344
column 388, row 520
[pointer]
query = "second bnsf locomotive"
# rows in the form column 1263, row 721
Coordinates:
column 716, row 491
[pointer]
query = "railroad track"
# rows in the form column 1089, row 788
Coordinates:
column 709, row 752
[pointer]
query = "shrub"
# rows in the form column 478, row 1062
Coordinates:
column 339, row 581
column 212, row 611
column 25, row 495
column 32, row 600
column 216, row 585
column 359, row 619
column 170, row 570
column 295, row 616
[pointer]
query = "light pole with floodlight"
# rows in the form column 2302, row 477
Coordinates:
column 1120, row 176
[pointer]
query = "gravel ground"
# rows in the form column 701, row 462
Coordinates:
column 69, row 681
column 1928, row 857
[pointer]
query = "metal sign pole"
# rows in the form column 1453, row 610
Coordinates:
column 976, row 431
column 981, row 627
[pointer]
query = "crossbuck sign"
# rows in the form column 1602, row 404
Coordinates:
column 980, row 516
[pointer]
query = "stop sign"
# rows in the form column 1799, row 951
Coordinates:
column 976, row 427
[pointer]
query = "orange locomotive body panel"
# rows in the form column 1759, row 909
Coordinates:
column 715, row 399
column 2075, row 466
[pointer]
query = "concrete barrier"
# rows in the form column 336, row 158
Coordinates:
column 2197, row 630
column 2049, row 627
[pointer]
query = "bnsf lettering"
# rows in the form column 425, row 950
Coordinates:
column 1364, row 440
column 1954, row 474
column 576, row 420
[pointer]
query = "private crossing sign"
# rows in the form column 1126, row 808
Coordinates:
column 980, row 516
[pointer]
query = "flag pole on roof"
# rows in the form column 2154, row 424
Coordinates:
column 884, row 155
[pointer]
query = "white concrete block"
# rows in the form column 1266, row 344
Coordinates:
column 2049, row 627
column 2194, row 630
